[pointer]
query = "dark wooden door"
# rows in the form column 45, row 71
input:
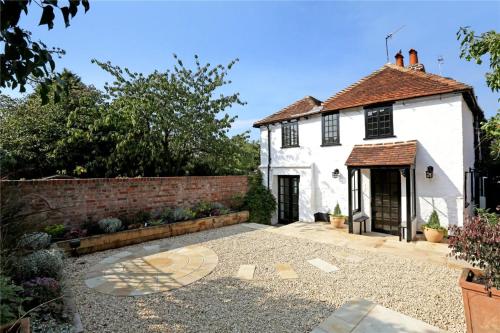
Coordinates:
column 288, row 199
column 386, row 200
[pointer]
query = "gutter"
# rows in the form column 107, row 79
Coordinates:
column 268, row 156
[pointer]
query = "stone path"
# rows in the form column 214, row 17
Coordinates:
column 323, row 265
column 286, row 271
column 246, row 272
column 363, row 316
column 148, row 271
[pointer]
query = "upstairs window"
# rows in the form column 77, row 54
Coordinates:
column 331, row 129
column 378, row 122
column 290, row 134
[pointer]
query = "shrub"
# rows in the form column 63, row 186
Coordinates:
column 55, row 230
column 110, row 225
column 10, row 300
column 433, row 223
column 75, row 233
column 167, row 215
column 34, row 241
column 478, row 243
column 155, row 222
column 47, row 263
column 202, row 209
column 259, row 200
column 92, row 228
column 41, row 290
column 237, row 202
column 141, row 217
column 337, row 212
column 183, row 214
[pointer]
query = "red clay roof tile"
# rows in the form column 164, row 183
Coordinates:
column 383, row 154
column 299, row 108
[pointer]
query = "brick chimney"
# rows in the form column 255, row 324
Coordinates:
column 399, row 59
column 414, row 64
column 413, row 57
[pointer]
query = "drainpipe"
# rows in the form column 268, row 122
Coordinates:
column 268, row 156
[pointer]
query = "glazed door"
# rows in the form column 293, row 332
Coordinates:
column 288, row 199
column 386, row 200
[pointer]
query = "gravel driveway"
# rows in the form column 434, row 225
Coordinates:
column 221, row 303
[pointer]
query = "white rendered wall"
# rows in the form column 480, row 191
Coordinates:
column 438, row 123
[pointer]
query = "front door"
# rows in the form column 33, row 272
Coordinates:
column 288, row 199
column 386, row 200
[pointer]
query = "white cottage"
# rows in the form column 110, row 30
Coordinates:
column 392, row 147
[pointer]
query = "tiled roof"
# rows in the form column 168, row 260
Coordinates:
column 392, row 83
column 301, row 107
column 384, row 154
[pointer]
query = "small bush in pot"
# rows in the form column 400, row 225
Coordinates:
column 478, row 243
column 109, row 225
column 433, row 231
column 336, row 218
column 34, row 241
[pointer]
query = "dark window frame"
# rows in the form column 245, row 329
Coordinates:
column 379, row 108
column 323, row 127
column 356, row 190
column 286, row 130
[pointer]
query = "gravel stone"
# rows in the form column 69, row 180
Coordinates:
column 220, row 302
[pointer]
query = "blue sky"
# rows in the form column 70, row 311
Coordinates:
column 287, row 50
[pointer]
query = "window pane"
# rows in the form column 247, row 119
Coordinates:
column 379, row 122
column 330, row 128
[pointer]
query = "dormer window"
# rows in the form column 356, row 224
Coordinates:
column 290, row 134
column 378, row 122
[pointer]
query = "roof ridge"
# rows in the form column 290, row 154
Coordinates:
column 431, row 76
column 316, row 101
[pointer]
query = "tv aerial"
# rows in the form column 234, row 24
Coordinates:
column 440, row 61
column 387, row 38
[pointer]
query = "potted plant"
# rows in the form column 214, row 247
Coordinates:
column 478, row 243
column 337, row 219
column 433, row 231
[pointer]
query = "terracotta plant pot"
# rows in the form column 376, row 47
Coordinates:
column 433, row 235
column 23, row 326
column 482, row 307
column 337, row 221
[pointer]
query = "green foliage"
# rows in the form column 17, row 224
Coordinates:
column 433, row 223
column 487, row 216
column 167, row 215
column 48, row 263
column 34, row 241
column 55, row 230
column 109, row 225
column 259, row 200
column 491, row 130
column 141, row 217
column 202, row 209
column 183, row 214
column 237, row 202
column 10, row 300
column 24, row 61
column 337, row 212
column 41, row 290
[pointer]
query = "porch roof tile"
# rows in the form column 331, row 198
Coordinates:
column 383, row 154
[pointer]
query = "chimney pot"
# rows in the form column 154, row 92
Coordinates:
column 399, row 59
column 413, row 57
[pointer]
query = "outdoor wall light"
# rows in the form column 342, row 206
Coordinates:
column 336, row 173
column 430, row 172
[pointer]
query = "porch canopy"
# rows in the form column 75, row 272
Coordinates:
column 392, row 155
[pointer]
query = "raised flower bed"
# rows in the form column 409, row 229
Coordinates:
column 135, row 236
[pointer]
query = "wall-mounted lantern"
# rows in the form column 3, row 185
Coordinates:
column 430, row 172
column 404, row 172
column 336, row 173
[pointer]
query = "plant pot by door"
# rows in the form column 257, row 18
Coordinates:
column 433, row 235
column 337, row 221
column 482, row 309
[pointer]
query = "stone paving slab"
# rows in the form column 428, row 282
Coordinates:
column 246, row 272
column 323, row 265
column 120, row 275
column 257, row 226
column 364, row 316
column 286, row 271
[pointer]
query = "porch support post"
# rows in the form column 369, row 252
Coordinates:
column 349, row 198
column 408, row 204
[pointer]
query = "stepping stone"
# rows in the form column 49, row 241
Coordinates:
column 351, row 257
column 246, row 272
column 151, row 248
column 323, row 265
column 363, row 316
column 286, row 271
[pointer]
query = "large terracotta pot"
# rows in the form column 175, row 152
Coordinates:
column 482, row 307
column 433, row 235
column 337, row 221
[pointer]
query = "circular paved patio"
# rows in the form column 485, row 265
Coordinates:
column 149, row 271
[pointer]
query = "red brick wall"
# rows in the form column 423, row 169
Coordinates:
column 74, row 201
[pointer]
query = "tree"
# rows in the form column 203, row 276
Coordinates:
column 35, row 138
column 168, row 123
column 24, row 60
column 476, row 47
